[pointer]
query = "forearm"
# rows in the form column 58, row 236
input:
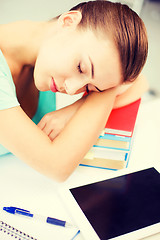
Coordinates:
column 133, row 92
column 83, row 129
column 59, row 158
column 73, row 108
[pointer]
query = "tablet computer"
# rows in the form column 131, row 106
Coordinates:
column 123, row 207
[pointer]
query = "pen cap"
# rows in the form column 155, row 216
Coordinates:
column 55, row 221
column 10, row 209
column 13, row 210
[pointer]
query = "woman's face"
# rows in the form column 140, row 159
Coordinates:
column 73, row 61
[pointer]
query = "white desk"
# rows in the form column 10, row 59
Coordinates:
column 145, row 153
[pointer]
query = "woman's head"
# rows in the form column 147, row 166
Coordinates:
column 96, row 45
column 124, row 26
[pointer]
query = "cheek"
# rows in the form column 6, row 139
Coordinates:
column 108, row 81
column 53, row 61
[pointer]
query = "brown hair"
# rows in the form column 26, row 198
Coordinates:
column 124, row 26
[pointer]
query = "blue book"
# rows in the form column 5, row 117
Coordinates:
column 111, row 160
column 113, row 142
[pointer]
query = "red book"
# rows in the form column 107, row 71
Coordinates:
column 122, row 120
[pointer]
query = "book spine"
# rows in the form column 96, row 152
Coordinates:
column 114, row 148
column 85, row 165
column 117, row 132
column 115, row 137
column 104, row 163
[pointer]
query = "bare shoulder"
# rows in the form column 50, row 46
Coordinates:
column 131, row 91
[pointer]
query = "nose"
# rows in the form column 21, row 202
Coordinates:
column 73, row 86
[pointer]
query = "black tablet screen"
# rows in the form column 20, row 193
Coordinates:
column 123, row 204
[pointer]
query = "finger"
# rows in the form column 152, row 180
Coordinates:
column 42, row 124
column 53, row 135
column 47, row 129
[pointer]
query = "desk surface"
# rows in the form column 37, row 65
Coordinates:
column 145, row 153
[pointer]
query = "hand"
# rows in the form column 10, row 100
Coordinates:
column 54, row 122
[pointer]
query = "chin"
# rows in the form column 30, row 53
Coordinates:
column 41, row 87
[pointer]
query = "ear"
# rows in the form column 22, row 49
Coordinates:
column 70, row 19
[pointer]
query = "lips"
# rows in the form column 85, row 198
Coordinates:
column 53, row 86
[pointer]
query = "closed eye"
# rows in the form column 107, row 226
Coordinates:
column 98, row 89
column 79, row 68
column 87, row 90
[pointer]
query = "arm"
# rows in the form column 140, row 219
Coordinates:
column 131, row 91
column 59, row 158
column 53, row 123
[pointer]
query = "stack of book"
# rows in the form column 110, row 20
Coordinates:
column 113, row 147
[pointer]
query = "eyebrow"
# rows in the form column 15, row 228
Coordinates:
column 92, row 70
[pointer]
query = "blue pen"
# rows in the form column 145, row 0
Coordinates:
column 26, row 213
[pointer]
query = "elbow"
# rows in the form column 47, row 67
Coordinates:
column 60, row 167
column 61, row 175
column 61, row 178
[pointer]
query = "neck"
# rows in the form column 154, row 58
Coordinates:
column 24, row 38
